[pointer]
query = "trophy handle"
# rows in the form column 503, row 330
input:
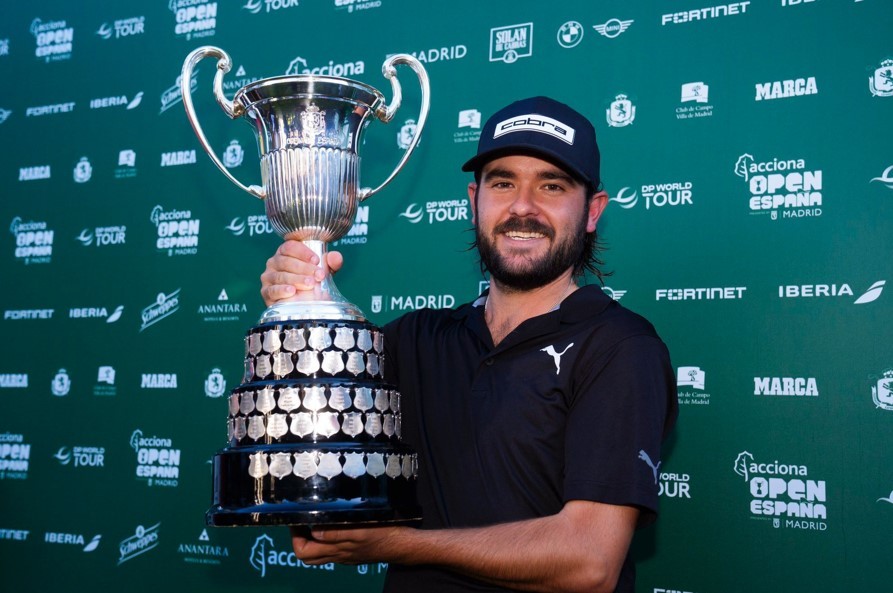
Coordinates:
column 224, row 64
column 386, row 113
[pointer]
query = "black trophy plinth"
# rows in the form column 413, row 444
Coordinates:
column 314, row 432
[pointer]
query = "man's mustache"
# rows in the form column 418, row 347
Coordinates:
column 527, row 225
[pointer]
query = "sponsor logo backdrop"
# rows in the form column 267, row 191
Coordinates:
column 747, row 150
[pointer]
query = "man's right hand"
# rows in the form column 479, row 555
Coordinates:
column 294, row 267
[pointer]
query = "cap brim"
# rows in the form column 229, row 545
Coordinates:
column 477, row 162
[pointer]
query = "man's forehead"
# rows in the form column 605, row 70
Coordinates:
column 513, row 164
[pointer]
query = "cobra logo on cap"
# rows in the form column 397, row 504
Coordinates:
column 533, row 122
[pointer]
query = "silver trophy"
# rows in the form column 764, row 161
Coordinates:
column 314, row 431
column 308, row 132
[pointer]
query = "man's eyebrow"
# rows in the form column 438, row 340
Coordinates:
column 499, row 172
column 556, row 174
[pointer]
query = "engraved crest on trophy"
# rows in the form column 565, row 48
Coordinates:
column 313, row 430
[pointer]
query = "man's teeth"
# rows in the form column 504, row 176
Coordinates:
column 521, row 235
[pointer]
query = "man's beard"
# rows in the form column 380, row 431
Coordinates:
column 531, row 273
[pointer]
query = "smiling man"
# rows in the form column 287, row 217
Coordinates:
column 537, row 410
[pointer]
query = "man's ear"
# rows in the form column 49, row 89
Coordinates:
column 472, row 191
column 596, row 206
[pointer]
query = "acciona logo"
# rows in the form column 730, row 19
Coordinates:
column 194, row 18
column 783, row 493
column 34, row 241
column 299, row 66
column 54, row 39
column 15, row 456
column 157, row 461
column 265, row 555
column 178, row 231
column 781, row 185
column 356, row 5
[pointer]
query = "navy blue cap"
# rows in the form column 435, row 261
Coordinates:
column 544, row 127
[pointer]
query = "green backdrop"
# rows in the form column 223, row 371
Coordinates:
column 747, row 149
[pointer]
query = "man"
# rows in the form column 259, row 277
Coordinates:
column 538, row 409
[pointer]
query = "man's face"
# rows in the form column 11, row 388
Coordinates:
column 531, row 219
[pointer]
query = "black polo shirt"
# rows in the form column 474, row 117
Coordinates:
column 572, row 405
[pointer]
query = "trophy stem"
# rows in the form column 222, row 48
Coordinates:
column 324, row 301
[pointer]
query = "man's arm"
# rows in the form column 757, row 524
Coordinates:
column 582, row 548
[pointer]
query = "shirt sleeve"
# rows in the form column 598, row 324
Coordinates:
column 623, row 404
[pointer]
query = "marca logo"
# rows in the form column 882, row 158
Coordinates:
column 702, row 14
column 157, row 461
column 203, row 552
column 438, row 54
column 164, row 306
column 222, row 310
column 13, row 380
column 75, row 539
column 34, row 173
column 178, row 231
column 781, row 185
column 20, row 314
column 264, row 554
column 123, row 28
column 881, row 83
column 34, row 241
column 255, row 6
column 570, row 34
column 178, row 157
column 143, row 540
column 831, row 290
column 158, row 381
column 195, row 18
column 352, row 5
column 442, row 211
column 103, row 236
column 510, row 43
column 882, row 390
column 173, row 96
column 299, row 66
column 613, row 27
column 15, row 455
column 621, row 112
column 700, row 294
column 50, row 109
column 799, row 386
column 784, row 89
column 783, row 491
column 117, row 101
column 695, row 378
column 886, row 177
column 55, row 40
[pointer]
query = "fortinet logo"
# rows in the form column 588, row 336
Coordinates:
column 535, row 123
column 702, row 14
column 700, row 294
column 784, row 89
column 798, row 386
column 49, row 109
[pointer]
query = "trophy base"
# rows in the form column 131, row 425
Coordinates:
column 353, row 496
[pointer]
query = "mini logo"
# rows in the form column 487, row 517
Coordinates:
column 4, row 114
column 886, row 177
column 613, row 293
column 215, row 384
column 61, row 383
column 143, row 540
column 376, row 303
column 881, row 84
column 510, row 43
column 570, row 34
column 613, row 27
column 882, row 390
column 164, row 306
column 407, row 133
column 233, row 155
column 621, row 113
column 195, row 18
column 83, row 171
column 691, row 377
